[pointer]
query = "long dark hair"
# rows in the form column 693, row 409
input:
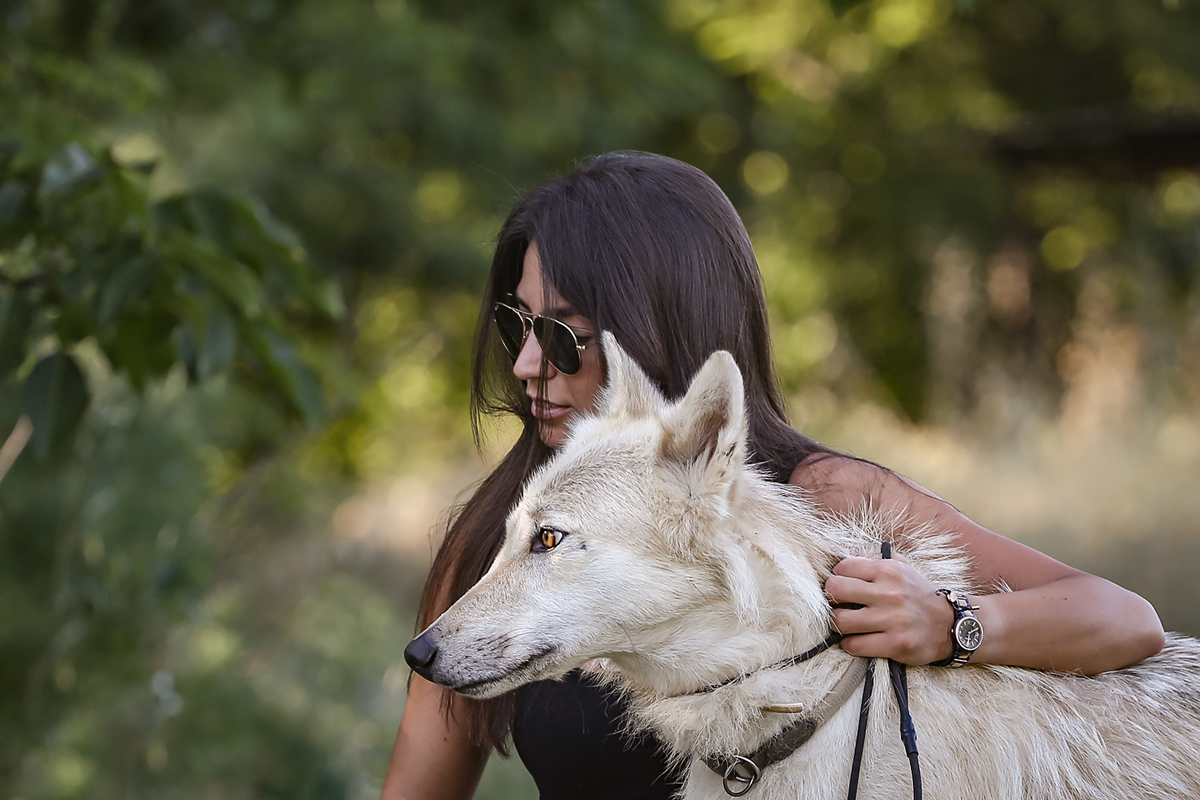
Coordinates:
column 651, row 249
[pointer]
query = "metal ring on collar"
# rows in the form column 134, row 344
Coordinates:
column 740, row 770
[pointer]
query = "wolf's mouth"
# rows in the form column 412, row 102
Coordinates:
column 528, row 666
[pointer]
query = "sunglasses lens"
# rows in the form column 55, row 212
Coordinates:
column 557, row 341
column 511, row 328
column 559, row 344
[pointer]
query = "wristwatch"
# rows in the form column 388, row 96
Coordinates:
column 966, row 634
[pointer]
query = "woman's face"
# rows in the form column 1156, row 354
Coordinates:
column 564, row 396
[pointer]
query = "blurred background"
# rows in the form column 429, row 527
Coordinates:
column 241, row 250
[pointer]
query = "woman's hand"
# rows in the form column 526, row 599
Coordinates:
column 886, row 609
column 1054, row 618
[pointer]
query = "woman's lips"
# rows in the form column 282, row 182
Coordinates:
column 546, row 411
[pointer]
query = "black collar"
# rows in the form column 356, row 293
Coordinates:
column 829, row 642
column 740, row 772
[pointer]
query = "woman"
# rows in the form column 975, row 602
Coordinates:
column 652, row 250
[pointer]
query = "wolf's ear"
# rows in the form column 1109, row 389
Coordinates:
column 709, row 424
column 628, row 391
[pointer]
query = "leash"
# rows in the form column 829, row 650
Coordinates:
column 739, row 773
column 908, row 731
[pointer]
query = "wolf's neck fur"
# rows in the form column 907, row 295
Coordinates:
column 772, row 604
column 775, row 551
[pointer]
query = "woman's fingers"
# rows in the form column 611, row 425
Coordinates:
column 887, row 609
column 867, row 645
column 869, row 581
column 861, row 567
column 850, row 621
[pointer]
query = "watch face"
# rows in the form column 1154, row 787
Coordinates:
column 968, row 633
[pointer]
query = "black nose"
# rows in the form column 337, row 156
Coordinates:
column 420, row 654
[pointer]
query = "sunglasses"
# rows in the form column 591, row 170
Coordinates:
column 560, row 345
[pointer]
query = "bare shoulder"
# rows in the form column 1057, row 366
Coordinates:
column 846, row 484
column 821, row 468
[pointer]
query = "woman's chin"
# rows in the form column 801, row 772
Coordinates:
column 552, row 434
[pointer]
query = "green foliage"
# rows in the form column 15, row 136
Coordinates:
column 133, row 323
column 945, row 197
column 158, row 643
column 865, row 135
column 202, row 279
column 894, row 137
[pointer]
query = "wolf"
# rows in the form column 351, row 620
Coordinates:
column 649, row 550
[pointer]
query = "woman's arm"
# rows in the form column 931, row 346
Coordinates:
column 1055, row 617
column 433, row 758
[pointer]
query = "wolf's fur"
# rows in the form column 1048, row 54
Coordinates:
column 680, row 566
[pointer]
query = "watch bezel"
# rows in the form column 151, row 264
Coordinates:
column 968, row 632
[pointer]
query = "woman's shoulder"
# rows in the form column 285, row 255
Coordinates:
column 832, row 467
column 832, row 476
column 846, row 484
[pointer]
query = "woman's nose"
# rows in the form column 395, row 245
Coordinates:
column 528, row 365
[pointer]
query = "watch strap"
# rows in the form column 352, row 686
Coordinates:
column 962, row 610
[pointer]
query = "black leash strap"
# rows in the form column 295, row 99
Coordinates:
column 860, row 740
column 908, row 731
column 739, row 773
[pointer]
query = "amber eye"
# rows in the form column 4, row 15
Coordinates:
column 546, row 539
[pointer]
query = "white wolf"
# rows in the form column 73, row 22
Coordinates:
column 649, row 544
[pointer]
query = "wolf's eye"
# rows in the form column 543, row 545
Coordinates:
column 546, row 539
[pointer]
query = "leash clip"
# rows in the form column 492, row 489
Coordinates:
column 740, row 770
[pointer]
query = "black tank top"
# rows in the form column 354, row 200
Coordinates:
column 568, row 735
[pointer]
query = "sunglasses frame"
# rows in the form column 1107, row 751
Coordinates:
column 537, row 324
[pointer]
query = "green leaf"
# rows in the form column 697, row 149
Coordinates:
column 141, row 167
column 297, row 379
column 218, row 344
column 207, row 339
column 16, row 317
column 74, row 322
column 210, row 214
column 55, row 396
column 238, row 284
column 140, row 345
column 67, row 172
column 125, row 286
